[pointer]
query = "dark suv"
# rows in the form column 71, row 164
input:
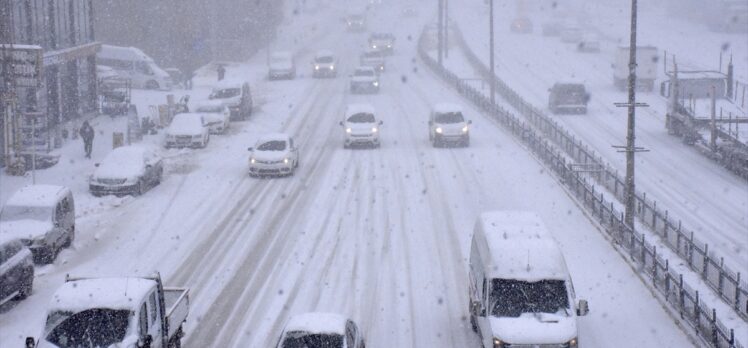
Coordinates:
column 568, row 98
column 17, row 270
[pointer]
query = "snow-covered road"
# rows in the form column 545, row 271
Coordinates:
column 381, row 235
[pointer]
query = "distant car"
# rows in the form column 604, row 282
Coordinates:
column 361, row 126
column 217, row 115
column 16, row 270
column 281, row 66
column 572, row 35
column 447, row 125
column 324, row 64
column 374, row 58
column 521, row 25
column 236, row 95
column 321, row 330
column 273, row 154
column 355, row 23
column 187, row 130
column 364, row 80
column 127, row 170
column 42, row 217
column 588, row 45
column 384, row 42
column 568, row 98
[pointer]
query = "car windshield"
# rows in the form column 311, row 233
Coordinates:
column 225, row 93
column 304, row 340
column 273, row 145
column 89, row 328
column 364, row 73
column 14, row 213
column 324, row 60
column 449, row 117
column 511, row 298
column 362, row 117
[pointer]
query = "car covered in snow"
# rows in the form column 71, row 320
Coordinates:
column 364, row 80
column 521, row 25
column 126, row 170
column 355, row 22
column 114, row 312
column 217, row 115
column 16, row 270
column 568, row 97
column 321, row 330
column 384, row 42
column 361, row 126
column 447, row 125
column 236, row 95
column 281, row 66
column 324, row 64
column 373, row 57
column 42, row 217
column 187, row 130
column 273, row 154
column 520, row 291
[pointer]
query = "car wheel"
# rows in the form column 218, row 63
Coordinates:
column 151, row 84
column 28, row 286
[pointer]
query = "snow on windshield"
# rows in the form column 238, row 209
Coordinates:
column 304, row 340
column 362, row 117
column 274, row 145
column 88, row 328
column 14, row 213
column 511, row 298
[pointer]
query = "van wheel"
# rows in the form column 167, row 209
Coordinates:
column 151, row 84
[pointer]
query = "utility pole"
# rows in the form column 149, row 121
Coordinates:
column 440, row 26
column 490, row 48
column 446, row 28
column 630, row 135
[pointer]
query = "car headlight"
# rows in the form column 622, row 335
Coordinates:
column 285, row 161
column 376, row 83
column 439, row 130
column 374, row 129
column 389, row 46
column 381, row 67
column 373, row 46
column 573, row 342
column 332, row 67
column 316, row 67
column 347, row 130
column 497, row 343
column 252, row 160
column 465, row 129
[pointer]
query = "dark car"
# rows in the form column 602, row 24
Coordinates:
column 127, row 170
column 568, row 98
column 16, row 270
column 236, row 95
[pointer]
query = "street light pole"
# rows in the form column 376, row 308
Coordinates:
column 630, row 136
column 490, row 59
column 440, row 34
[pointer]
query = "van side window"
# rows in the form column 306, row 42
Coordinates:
column 152, row 306
column 143, row 320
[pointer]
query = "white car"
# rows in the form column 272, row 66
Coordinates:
column 126, row 170
column 361, row 126
column 187, row 130
column 273, row 154
column 448, row 126
column 324, row 64
column 321, row 330
column 364, row 80
column 373, row 57
column 281, row 66
column 217, row 115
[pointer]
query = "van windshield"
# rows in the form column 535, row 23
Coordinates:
column 511, row 298
column 91, row 328
column 13, row 213
column 305, row 340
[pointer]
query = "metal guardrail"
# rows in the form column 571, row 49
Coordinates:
column 678, row 294
column 725, row 282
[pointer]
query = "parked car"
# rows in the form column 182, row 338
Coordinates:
column 355, row 23
column 448, row 126
column 281, row 66
column 115, row 312
column 42, row 217
column 217, row 115
column 520, row 291
column 324, row 64
column 131, row 63
column 521, row 25
column 364, row 80
column 568, row 98
column 236, row 95
column 589, row 45
column 16, row 270
column 374, row 58
column 127, row 170
column 321, row 330
column 273, row 154
column 384, row 42
column 361, row 126
column 187, row 130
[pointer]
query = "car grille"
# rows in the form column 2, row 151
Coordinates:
column 268, row 162
column 563, row 345
column 183, row 138
column 109, row 181
column 361, row 135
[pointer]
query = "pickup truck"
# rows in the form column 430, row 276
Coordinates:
column 135, row 312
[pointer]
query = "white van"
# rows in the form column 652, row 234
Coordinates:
column 132, row 63
column 520, row 290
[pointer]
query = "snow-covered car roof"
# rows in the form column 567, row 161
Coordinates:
column 521, row 248
column 187, row 123
column 442, row 108
column 112, row 293
column 125, row 161
column 38, row 196
column 324, row 53
column 203, row 105
column 273, row 137
column 317, row 322
column 353, row 109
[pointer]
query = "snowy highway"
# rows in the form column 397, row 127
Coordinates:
column 381, row 235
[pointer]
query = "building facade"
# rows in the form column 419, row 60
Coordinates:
column 65, row 32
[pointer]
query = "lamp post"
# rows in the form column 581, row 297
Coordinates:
column 491, row 57
column 630, row 134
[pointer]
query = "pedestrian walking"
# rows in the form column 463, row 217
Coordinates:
column 221, row 72
column 87, row 134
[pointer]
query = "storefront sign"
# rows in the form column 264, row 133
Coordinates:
column 70, row 54
column 22, row 63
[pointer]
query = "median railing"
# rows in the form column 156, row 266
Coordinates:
column 540, row 137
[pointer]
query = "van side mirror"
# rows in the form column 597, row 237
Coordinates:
column 250, row 149
column 475, row 309
column 145, row 342
column 381, row 122
column 30, row 342
column 582, row 308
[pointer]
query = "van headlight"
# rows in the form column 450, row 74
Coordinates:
column 348, row 130
column 332, row 67
column 573, row 343
column 373, row 46
column 465, row 129
column 316, row 67
column 439, row 130
column 375, row 83
column 374, row 129
column 252, row 160
column 285, row 161
column 497, row 343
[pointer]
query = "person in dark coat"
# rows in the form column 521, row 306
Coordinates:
column 87, row 134
column 221, row 72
